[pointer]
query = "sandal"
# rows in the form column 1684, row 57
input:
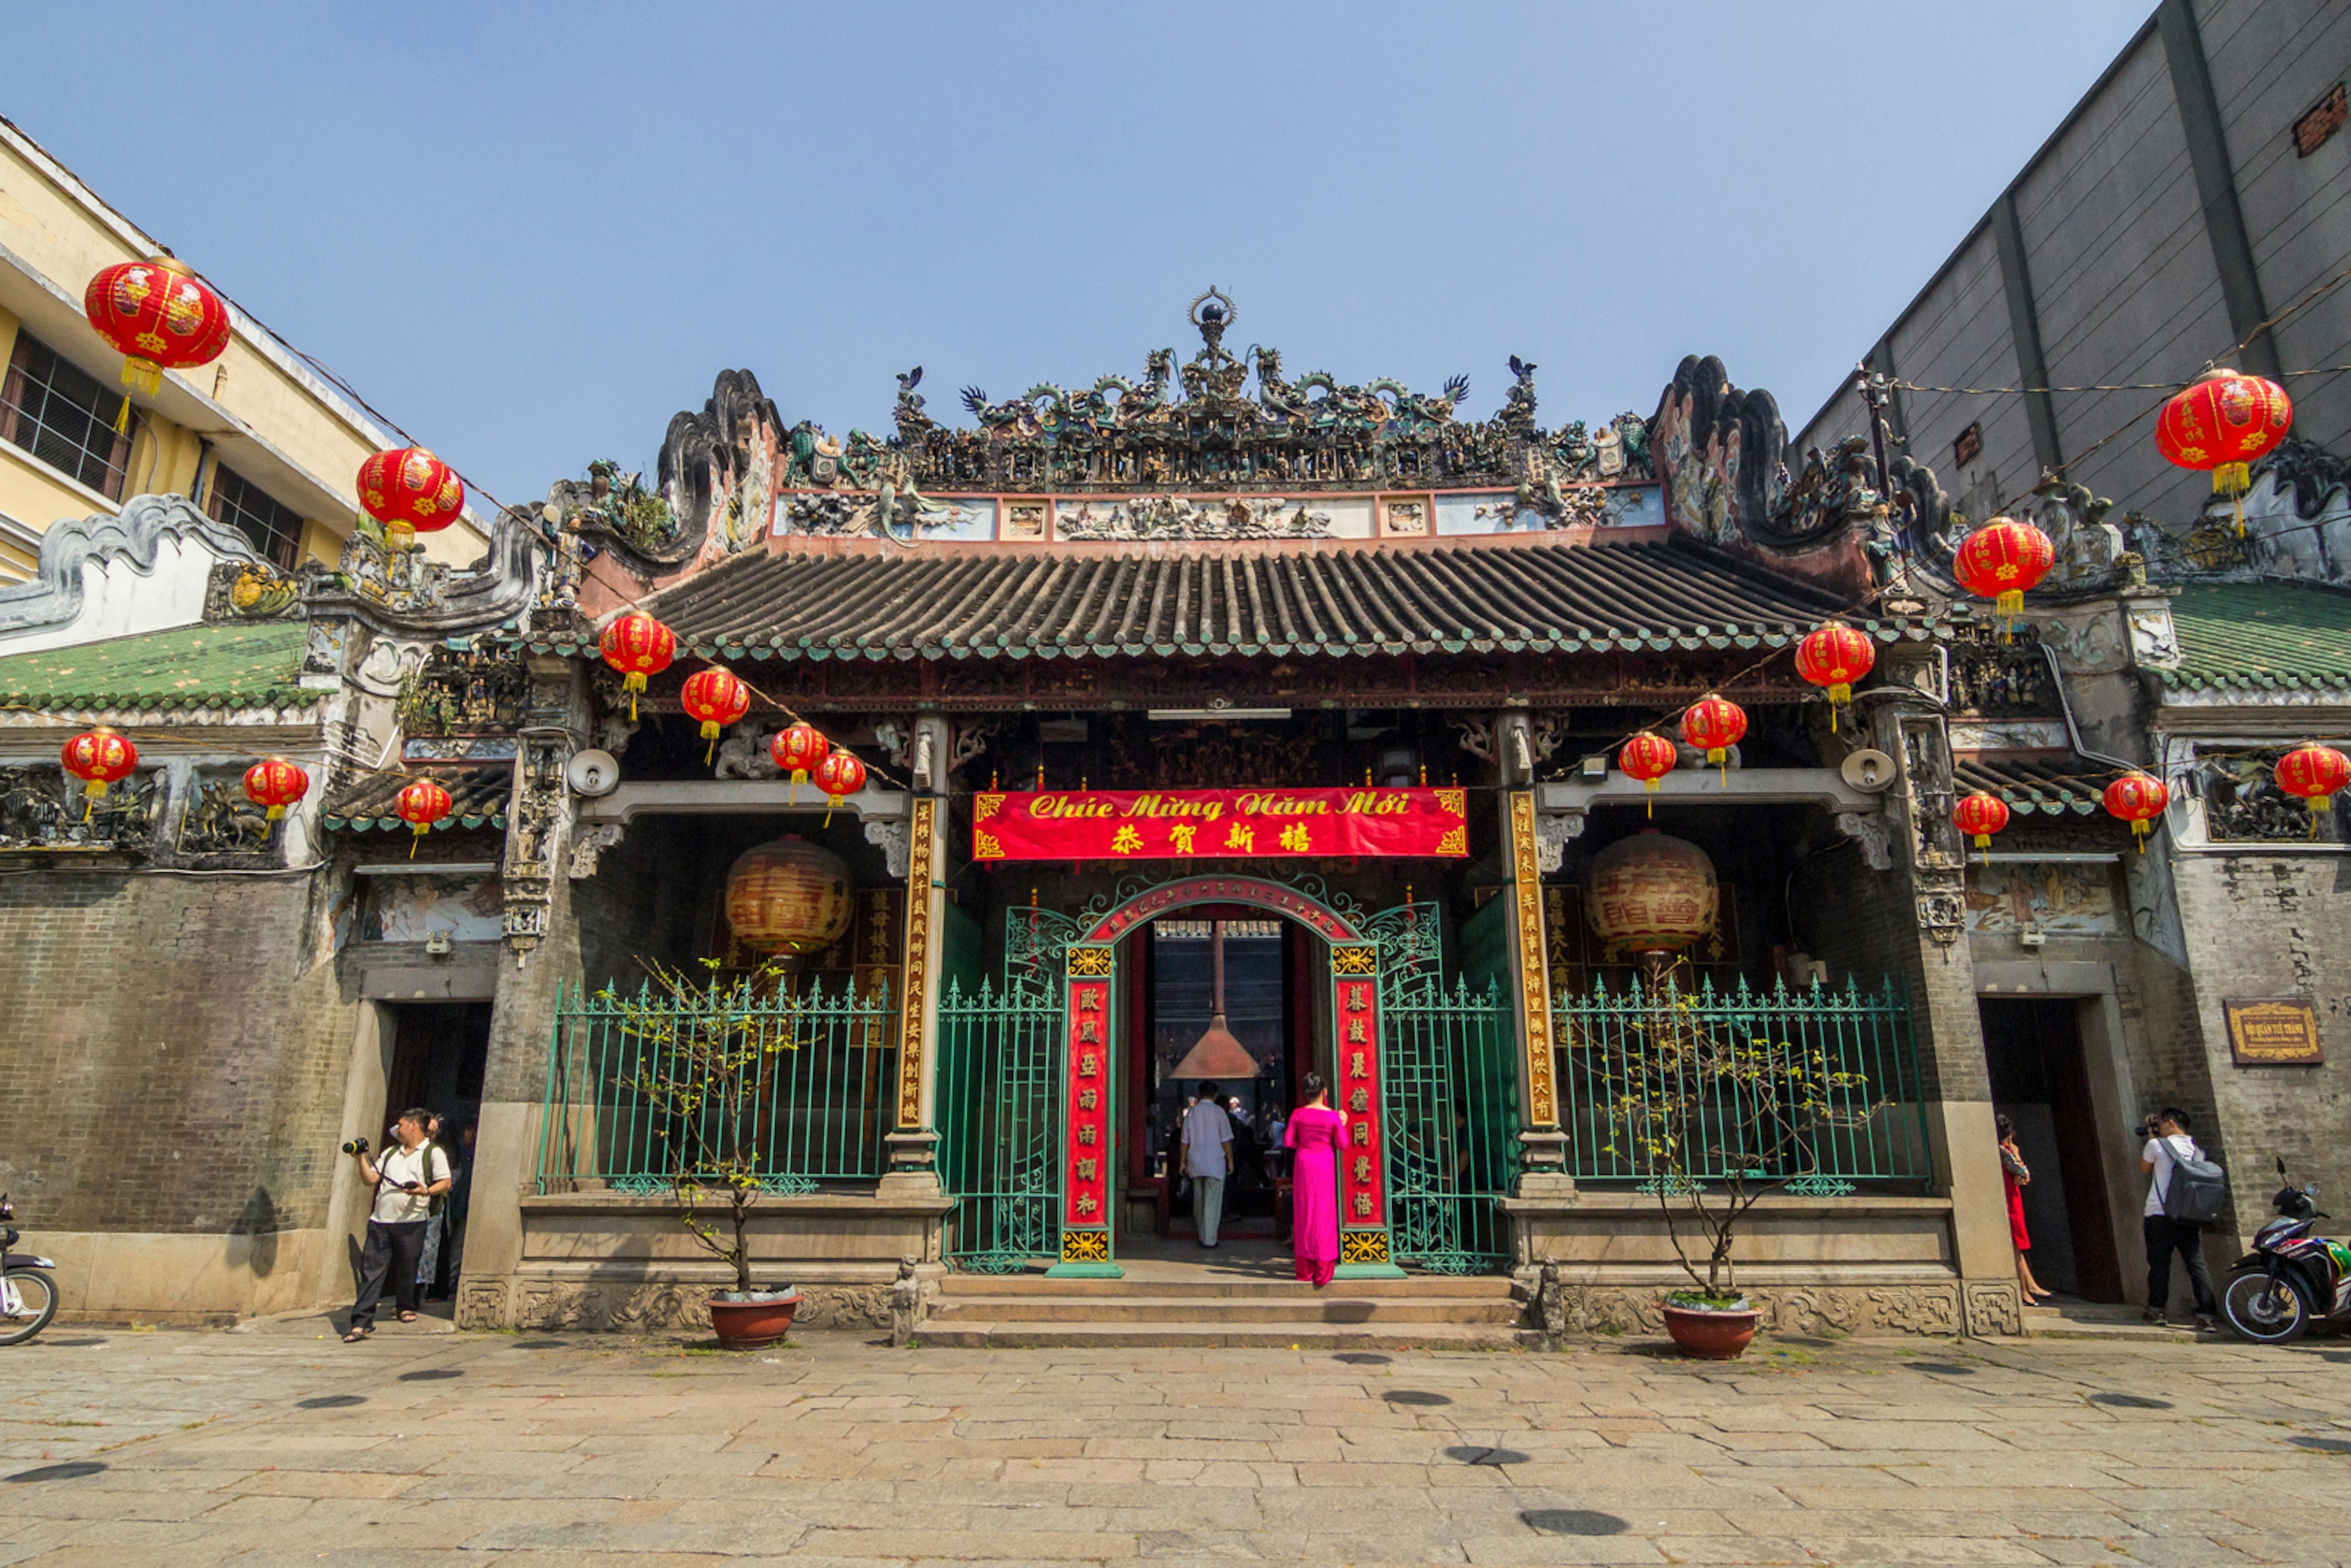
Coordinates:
column 408, row 1317
column 358, row 1334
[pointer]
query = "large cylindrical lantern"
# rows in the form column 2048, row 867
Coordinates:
column 2224, row 422
column 421, row 803
column 2314, row 772
column 1714, row 725
column 410, row 492
column 98, row 758
column 2138, row 798
column 1980, row 816
column 787, row 895
column 639, row 647
column 715, row 697
column 160, row 315
column 1833, row 656
column 276, row 784
column 1650, row 894
column 2001, row 560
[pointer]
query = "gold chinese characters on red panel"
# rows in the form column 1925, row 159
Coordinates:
column 1086, row 1186
column 1358, row 1062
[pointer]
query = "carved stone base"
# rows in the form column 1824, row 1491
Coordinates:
column 1559, row 1308
column 642, row 1307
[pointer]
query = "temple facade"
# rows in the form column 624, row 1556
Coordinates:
column 1218, row 694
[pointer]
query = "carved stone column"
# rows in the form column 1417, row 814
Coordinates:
column 914, row 1143
column 1544, row 1147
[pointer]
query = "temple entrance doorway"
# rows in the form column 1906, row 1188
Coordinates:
column 1224, row 994
column 2041, row 1083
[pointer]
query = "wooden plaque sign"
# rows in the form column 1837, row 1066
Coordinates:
column 2282, row 1032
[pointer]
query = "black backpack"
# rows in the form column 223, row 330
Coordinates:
column 2197, row 1190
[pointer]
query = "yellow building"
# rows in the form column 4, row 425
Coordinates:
column 257, row 438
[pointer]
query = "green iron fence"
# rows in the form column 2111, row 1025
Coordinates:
column 1452, row 1125
column 999, row 1098
column 623, row 1110
column 1868, row 1124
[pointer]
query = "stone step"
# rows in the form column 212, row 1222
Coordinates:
column 981, row 1334
column 2119, row 1325
column 1431, row 1287
column 1155, row 1308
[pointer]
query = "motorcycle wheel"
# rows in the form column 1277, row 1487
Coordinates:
column 2264, row 1316
column 36, row 1304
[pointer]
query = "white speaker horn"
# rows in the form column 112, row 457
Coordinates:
column 1867, row 769
column 592, row 773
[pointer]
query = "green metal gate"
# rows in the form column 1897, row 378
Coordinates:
column 999, row 1104
column 1452, row 1089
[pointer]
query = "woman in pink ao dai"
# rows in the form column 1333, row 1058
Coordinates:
column 1315, row 1136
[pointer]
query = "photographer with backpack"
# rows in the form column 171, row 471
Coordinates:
column 409, row 1181
column 2187, row 1192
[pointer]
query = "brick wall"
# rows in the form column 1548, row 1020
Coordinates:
column 176, row 1052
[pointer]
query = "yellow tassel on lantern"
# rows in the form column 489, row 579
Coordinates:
column 633, row 683
column 2138, row 831
column 829, row 802
column 398, row 537
column 141, row 376
column 1649, row 807
column 274, row 813
column 2319, row 806
column 1718, row 757
column 420, row 830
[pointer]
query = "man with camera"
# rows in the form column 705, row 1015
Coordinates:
column 406, row 1181
column 2167, row 1145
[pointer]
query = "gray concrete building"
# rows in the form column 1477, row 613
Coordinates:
column 2197, row 199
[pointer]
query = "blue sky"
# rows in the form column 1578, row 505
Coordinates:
column 530, row 233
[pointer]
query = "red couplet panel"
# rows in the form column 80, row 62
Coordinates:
column 1086, row 1183
column 1357, row 1097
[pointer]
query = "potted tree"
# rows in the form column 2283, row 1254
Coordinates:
column 700, row 1069
column 1715, row 1116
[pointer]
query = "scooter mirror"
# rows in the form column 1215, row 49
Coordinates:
column 2280, row 1164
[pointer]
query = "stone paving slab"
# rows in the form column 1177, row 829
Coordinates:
column 191, row 1449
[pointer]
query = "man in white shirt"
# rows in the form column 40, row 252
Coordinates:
column 406, row 1181
column 1207, row 1157
column 2164, row 1235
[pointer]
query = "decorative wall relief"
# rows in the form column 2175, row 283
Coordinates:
column 462, row 906
column 41, row 809
column 1209, row 517
column 1935, row 848
column 218, row 820
column 2065, row 900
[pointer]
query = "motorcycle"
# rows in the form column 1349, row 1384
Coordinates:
column 2291, row 1278
column 29, row 1295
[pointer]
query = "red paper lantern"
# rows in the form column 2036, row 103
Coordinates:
column 718, row 698
column 98, row 758
column 420, row 804
column 1713, row 724
column 840, row 775
column 798, row 750
column 638, row 647
column 275, row 783
column 1980, row 816
column 2224, row 422
column 2138, row 799
column 160, row 315
column 2314, row 772
column 1648, row 757
column 2001, row 560
column 410, row 491
column 1833, row 656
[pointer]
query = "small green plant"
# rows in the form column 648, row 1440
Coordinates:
column 702, row 1062
column 1709, row 1112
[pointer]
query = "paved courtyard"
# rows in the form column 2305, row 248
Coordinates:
column 191, row 1449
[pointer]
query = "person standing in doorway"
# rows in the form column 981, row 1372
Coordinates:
column 1208, row 1156
column 406, row 1181
column 2167, row 1143
column 1314, row 1135
column 2014, row 1175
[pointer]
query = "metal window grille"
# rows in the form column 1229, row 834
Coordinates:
column 274, row 529
column 1876, row 1128
column 814, row 1109
column 1000, row 1103
column 63, row 417
column 1449, row 1073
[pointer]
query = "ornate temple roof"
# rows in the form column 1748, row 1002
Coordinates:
column 2261, row 636
column 479, row 798
column 185, row 667
column 2056, row 785
column 1250, row 599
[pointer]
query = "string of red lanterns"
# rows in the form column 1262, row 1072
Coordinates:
column 2224, row 422
column 159, row 316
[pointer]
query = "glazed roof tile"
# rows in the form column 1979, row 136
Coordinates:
column 2056, row 784
column 1048, row 604
column 225, row 666
column 2261, row 636
column 364, row 804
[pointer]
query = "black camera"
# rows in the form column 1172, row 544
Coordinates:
column 356, row 1147
column 2151, row 1128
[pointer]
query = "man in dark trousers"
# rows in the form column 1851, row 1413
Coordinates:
column 406, row 1181
column 2169, row 1142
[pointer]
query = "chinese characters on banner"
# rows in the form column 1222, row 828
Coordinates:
column 1358, row 1058
column 1087, row 1188
column 1171, row 824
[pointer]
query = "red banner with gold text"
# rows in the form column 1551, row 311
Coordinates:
column 1178, row 824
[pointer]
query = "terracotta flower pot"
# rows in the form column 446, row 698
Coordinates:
column 756, row 1320
column 1711, row 1335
